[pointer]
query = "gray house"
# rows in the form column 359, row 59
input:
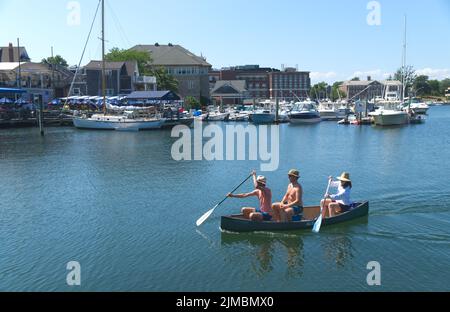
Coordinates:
column 121, row 78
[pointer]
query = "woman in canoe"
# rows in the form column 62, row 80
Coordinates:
column 339, row 202
column 264, row 194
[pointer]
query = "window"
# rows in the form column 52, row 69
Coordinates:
column 191, row 84
column 76, row 91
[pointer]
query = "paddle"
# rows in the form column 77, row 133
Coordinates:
column 210, row 212
column 318, row 224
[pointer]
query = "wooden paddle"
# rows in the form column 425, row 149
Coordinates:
column 318, row 224
column 210, row 212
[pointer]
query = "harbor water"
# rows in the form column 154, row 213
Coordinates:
column 117, row 203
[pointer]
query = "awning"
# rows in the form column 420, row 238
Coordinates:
column 11, row 90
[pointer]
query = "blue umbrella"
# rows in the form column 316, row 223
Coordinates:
column 56, row 102
column 22, row 102
column 5, row 101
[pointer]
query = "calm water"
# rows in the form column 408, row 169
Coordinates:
column 118, row 204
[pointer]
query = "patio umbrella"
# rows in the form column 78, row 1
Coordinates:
column 5, row 101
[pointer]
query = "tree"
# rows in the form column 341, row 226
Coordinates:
column 407, row 75
column 336, row 93
column 355, row 79
column 165, row 81
column 434, row 87
column 56, row 60
column 191, row 103
column 443, row 86
column 421, row 85
column 319, row 91
column 144, row 60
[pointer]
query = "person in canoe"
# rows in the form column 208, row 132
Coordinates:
column 264, row 194
column 291, row 207
column 339, row 202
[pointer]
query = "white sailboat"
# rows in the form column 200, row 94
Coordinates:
column 389, row 113
column 125, row 121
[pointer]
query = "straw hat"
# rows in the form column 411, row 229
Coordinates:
column 261, row 180
column 345, row 177
column 294, row 173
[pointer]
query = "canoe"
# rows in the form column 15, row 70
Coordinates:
column 237, row 223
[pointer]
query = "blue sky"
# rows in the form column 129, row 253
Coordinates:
column 330, row 38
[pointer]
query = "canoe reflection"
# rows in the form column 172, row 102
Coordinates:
column 264, row 246
column 338, row 248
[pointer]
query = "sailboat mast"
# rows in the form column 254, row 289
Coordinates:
column 404, row 64
column 103, row 58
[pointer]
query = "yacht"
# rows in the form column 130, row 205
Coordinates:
column 416, row 105
column 305, row 113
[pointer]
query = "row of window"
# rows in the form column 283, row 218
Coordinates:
column 186, row 71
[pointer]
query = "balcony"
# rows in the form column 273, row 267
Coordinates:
column 145, row 80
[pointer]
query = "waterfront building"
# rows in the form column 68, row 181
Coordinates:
column 289, row 84
column 229, row 92
column 37, row 79
column 256, row 78
column 190, row 70
column 371, row 89
column 447, row 93
column 11, row 54
column 121, row 78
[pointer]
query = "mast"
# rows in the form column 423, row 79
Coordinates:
column 103, row 58
column 404, row 65
column 19, row 80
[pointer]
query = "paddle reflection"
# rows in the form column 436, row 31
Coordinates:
column 263, row 247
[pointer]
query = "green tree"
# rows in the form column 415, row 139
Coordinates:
column 191, row 103
column 142, row 58
column 355, row 79
column 435, row 86
column 55, row 60
column 144, row 61
column 421, row 85
column 336, row 93
column 443, row 86
column 319, row 91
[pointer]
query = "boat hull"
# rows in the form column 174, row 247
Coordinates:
column 390, row 119
column 329, row 115
column 177, row 122
column 263, row 118
column 93, row 124
column 237, row 223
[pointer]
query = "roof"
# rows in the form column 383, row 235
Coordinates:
column 8, row 65
column 154, row 95
column 11, row 90
column 229, row 86
column 170, row 55
column 97, row 65
column 4, row 54
column 367, row 82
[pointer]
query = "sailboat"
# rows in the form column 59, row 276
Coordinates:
column 389, row 113
column 126, row 121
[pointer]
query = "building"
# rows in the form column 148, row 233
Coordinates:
column 121, row 78
column 229, row 92
column 370, row 89
column 41, row 79
column 190, row 70
column 256, row 78
column 289, row 84
column 447, row 93
column 13, row 54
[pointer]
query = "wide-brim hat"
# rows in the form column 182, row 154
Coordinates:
column 345, row 177
column 262, row 180
column 294, row 173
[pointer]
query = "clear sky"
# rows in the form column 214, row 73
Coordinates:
column 330, row 38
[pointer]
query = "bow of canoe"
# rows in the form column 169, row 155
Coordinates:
column 237, row 223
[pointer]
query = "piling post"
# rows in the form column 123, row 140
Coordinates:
column 277, row 109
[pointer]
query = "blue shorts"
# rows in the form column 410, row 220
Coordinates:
column 266, row 216
column 298, row 210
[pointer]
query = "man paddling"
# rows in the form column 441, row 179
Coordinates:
column 264, row 194
column 291, row 207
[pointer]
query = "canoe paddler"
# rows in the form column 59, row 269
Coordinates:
column 264, row 194
column 339, row 202
column 291, row 207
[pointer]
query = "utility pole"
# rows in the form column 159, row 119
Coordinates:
column 19, row 80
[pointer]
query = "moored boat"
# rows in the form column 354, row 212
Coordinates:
column 237, row 223
column 304, row 113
